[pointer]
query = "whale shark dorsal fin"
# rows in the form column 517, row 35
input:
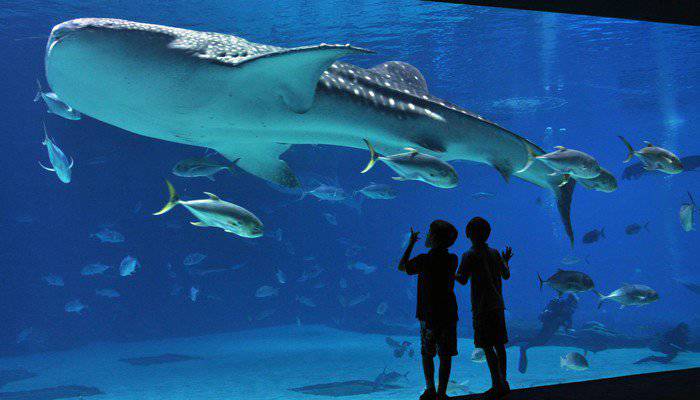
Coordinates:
column 212, row 196
column 262, row 160
column 411, row 150
column 562, row 148
column 648, row 144
column 290, row 73
column 405, row 76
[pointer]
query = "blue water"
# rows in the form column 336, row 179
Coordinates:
column 554, row 79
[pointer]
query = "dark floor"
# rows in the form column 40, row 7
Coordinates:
column 672, row 385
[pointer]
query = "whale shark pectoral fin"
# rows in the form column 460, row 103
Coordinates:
column 46, row 168
column 564, row 194
column 294, row 73
column 262, row 160
column 198, row 223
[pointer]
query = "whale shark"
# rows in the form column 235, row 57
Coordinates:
column 250, row 102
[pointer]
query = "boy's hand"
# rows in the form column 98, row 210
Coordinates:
column 507, row 254
column 414, row 236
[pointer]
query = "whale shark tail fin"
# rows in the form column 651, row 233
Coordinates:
column 372, row 157
column 564, row 194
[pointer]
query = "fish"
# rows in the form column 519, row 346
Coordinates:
column 271, row 103
column 196, row 167
column 330, row 218
column 360, row 266
column 482, row 195
column 106, row 235
column 633, row 229
column 60, row 163
column 693, row 287
column 571, row 163
column 455, row 388
column 636, row 171
column 194, row 292
column 55, row 106
column 74, row 306
column 390, row 378
column 24, row 335
column 327, row 193
column 343, row 389
column 382, row 308
column 416, row 166
column 358, row 299
column 310, row 273
column 128, row 266
column 573, row 361
column 567, row 282
column 306, row 301
column 478, row 355
column 605, row 182
column 202, row 270
column 281, row 277
column 266, row 291
column 630, row 295
column 193, row 259
column 109, row 293
column 687, row 215
column 216, row 213
column 53, row 280
column 94, row 269
column 593, row 236
column 572, row 260
column 378, row 191
column 654, row 158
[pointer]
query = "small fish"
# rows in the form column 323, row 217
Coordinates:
column 571, row 164
column 327, row 193
column 94, row 269
column 378, row 191
column 202, row 270
column 128, row 266
column 630, row 295
column 281, row 277
column 330, row 218
column 306, row 301
column 195, row 167
column 59, row 161
column 53, row 280
column 478, row 355
column 74, row 306
column 687, row 215
column 593, row 236
column 482, row 195
column 360, row 266
column 635, row 228
column 390, row 378
column 693, row 287
column 455, row 388
column 358, row 299
column 574, row 361
column 55, row 106
column 194, row 293
column 572, row 260
column 24, row 335
column 382, row 308
column 416, row 166
column 567, row 282
column 266, row 291
column 217, row 213
column 193, row 259
column 109, row 293
column 654, row 158
column 106, row 235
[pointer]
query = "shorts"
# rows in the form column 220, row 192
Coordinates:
column 490, row 329
column 438, row 340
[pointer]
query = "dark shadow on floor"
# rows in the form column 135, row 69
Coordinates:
column 671, row 385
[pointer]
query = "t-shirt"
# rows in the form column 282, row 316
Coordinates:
column 436, row 302
column 485, row 267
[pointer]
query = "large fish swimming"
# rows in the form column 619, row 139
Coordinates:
column 253, row 101
column 654, row 158
column 61, row 164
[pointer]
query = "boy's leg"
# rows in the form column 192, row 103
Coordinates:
column 429, row 372
column 444, row 374
column 501, row 354
column 494, row 369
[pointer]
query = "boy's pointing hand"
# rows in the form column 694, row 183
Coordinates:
column 414, row 235
column 507, row 254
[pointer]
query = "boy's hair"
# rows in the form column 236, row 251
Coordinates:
column 478, row 230
column 442, row 234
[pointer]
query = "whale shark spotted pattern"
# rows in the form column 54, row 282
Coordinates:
column 251, row 102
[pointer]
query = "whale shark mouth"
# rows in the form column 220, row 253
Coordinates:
column 252, row 101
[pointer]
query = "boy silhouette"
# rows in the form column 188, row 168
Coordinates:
column 436, row 305
column 485, row 266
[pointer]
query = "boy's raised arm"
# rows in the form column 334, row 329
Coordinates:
column 407, row 253
column 506, row 256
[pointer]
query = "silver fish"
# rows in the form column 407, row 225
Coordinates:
column 55, row 106
column 59, row 161
column 201, row 167
column 654, row 158
column 687, row 215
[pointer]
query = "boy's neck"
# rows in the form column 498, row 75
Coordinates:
column 479, row 244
